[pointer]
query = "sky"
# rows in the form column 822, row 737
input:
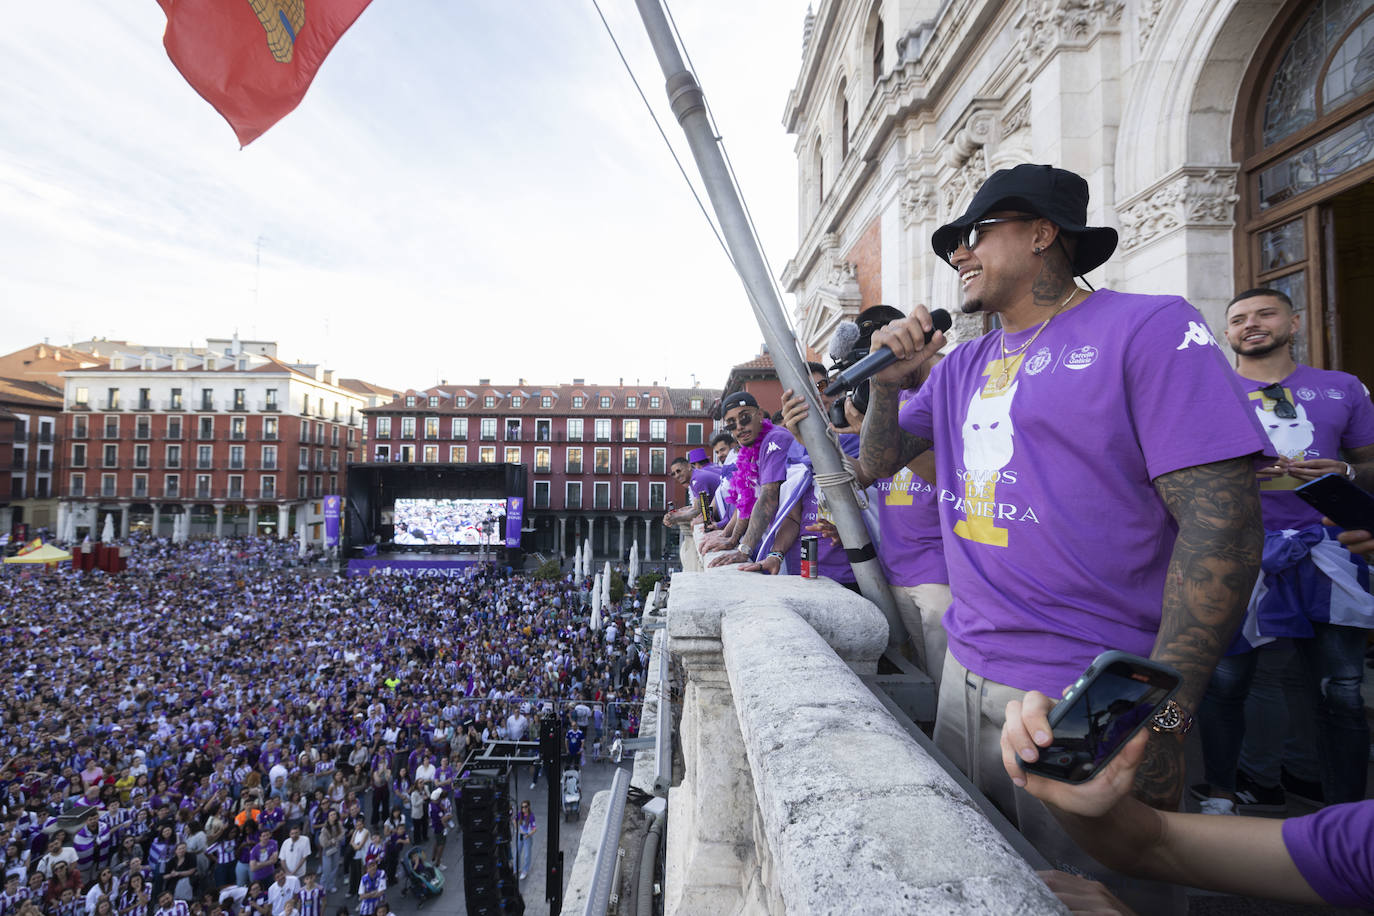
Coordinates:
column 470, row 189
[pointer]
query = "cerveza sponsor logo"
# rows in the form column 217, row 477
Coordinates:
column 1081, row 358
column 1335, row 394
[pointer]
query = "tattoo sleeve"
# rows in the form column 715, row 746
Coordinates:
column 1211, row 575
column 884, row 447
column 765, row 507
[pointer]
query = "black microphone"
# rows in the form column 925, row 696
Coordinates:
column 882, row 357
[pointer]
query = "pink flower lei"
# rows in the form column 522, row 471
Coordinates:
column 744, row 483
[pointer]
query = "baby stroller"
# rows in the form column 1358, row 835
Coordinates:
column 422, row 878
column 572, row 795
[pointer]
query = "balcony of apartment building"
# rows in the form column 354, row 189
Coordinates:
column 206, row 403
column 786, row 769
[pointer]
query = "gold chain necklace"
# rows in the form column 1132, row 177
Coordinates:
column 1007, row 356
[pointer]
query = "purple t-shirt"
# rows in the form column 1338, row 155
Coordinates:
column 704, row 482
column 1056, row 541
column 774, row 450
column 1334, row 851
column 1333, row 412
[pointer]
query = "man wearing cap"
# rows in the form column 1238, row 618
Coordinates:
column 700, row 477
column 766, row 453
column 1093, row 456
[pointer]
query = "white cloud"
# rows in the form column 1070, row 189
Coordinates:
column 468, row 190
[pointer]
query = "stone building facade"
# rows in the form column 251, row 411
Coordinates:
column 228, row 434
column 1231, row 142
column 596, row 455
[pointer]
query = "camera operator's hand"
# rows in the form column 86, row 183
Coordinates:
column 794, row 410
column 1027, row 729
column 906, row 339
column 855, row 419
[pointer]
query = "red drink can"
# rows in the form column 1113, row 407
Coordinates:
column 810, row 563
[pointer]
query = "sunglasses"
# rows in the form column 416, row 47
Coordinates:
column 1283, row 408
column 745, row 419
column 968, row 236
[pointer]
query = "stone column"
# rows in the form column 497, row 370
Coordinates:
column 620, row 553
column 562, row 536
column 157, row 517
column 649, row 521
column 123, row 521
column 219, row 520
column 711, row 812
column 283, row 510
column 252, row 519
column 63, row 511
column 687, row 549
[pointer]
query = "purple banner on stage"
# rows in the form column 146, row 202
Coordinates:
column 427, row 567
column 515, row 506
column 332, row 507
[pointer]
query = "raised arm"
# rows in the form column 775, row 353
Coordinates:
column 1211, row 575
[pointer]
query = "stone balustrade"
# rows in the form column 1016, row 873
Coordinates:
column 800, row 792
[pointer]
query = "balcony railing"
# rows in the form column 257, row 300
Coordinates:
column 269, row 406
column 574, row 467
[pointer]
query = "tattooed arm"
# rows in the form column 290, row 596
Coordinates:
column 1211, row 575
column 765, row 507
column 884, row 447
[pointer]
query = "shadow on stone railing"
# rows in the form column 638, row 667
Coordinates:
column 802, row 794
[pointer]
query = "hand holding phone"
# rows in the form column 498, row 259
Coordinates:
column 1116, row 696
column 1338, row 499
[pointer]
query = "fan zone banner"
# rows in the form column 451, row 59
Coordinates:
column 253, row 60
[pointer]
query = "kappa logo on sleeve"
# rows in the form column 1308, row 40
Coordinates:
column 772, row 447
column 1197, row 333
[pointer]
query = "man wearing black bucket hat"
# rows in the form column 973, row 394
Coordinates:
column 1094, row 475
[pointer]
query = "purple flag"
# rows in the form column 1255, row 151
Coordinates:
column 332, row 505
column 514, row 510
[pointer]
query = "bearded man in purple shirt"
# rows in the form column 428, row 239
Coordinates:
column 1093, row 455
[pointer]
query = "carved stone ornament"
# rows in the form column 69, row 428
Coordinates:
column 841, row 273
column 1194, row 197
column 965, row 181
column 1017, row 118
column 917, row 201
column 1044, row 26
column 1147, row 18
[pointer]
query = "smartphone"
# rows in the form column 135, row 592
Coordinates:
column 1117, row 695
column 1338, row 499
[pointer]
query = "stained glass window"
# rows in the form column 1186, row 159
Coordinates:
column 1292, row 101
column 1282, row 246
column 1349, row 147
column 1351, row 71
column 1294, row 286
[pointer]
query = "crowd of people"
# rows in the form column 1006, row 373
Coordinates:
column 217, row 730
column 1092, row 474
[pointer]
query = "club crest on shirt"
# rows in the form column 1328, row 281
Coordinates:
column 1040, row 361
column 1081, row 358
column 1306, row 394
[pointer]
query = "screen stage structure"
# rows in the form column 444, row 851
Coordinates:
column 426, row 519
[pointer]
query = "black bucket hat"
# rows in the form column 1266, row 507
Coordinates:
column 1058, row 195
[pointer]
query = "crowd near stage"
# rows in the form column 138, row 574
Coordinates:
column 405, row 519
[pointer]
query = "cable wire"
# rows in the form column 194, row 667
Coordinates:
column 691, row 187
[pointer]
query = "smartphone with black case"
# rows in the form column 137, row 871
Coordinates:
column 1117, row 695
column 1334, row 496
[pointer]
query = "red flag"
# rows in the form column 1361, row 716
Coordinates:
column 253, row 59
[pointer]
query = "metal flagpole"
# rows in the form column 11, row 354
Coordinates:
column 689, row 107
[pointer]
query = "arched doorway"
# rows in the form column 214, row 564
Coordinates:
column 1305, row 138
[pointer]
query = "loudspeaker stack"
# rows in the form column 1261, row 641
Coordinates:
column 488, row 872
